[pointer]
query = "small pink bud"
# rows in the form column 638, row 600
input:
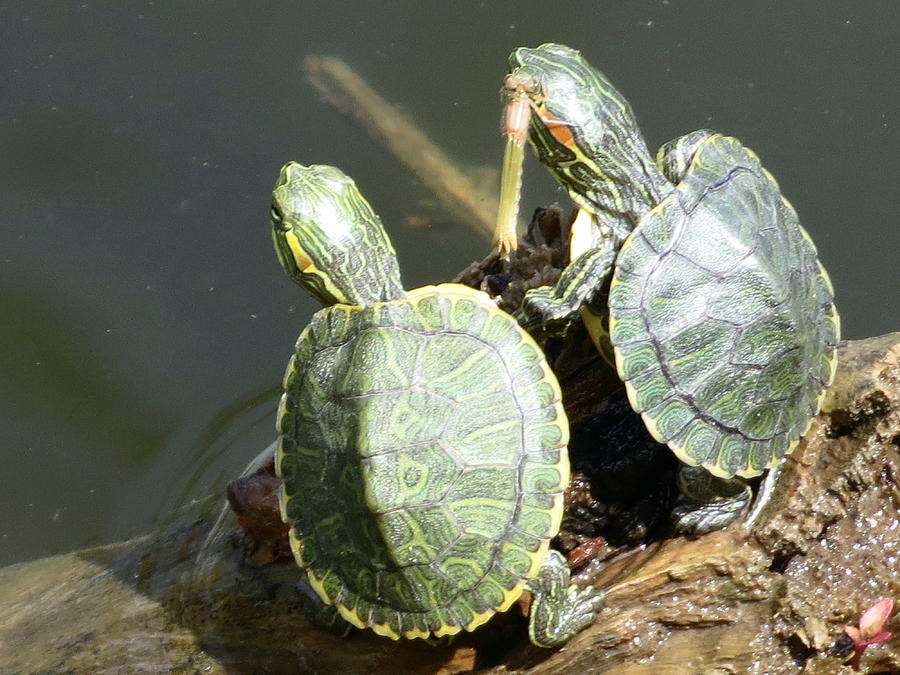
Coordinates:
column 869, row 631
column 873, row 619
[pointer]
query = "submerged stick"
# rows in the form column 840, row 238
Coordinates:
column 344, row 89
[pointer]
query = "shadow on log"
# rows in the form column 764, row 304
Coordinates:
column 774, row 599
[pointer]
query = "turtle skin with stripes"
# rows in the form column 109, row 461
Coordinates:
column 693, row 276
column 422, row 438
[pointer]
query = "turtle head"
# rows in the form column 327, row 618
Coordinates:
column 329, row 240
column 585, row 133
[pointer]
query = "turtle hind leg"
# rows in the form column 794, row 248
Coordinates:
column 765, row 495
column 319, row 614
column 706, row 502
column 576, row 286
column 559, row 608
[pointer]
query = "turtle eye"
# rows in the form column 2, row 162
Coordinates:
column 278, row 220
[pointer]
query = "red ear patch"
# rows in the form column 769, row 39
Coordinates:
column 557, row 128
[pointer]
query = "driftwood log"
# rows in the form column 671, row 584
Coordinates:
column 773, row 599
column 191, row 598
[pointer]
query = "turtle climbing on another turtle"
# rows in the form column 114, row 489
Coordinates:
column 422, row 437
column 692, row 274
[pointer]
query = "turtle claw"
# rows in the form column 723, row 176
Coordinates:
column 580, row 610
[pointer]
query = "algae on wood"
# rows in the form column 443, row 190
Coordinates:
column 769, row 600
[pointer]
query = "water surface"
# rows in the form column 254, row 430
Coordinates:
column 146, row 322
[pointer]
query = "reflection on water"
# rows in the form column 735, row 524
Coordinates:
column 146, row 322
column 74, row 423
column 208, row 462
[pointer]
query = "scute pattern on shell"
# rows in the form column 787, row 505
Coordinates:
column 423, row 446
column 722, row 317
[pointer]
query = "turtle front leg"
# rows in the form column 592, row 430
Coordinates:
column 675, row 157
column 706, row 502
column 577, row 285
column 559, row 608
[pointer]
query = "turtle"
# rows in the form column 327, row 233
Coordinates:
column 422, row 438
column 693, row 276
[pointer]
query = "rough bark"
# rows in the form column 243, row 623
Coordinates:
column 769, row 600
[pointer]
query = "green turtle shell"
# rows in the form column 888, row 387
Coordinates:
column 423, row 447
column 722, row 318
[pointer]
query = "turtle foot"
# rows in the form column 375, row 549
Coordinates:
column 319, row 614
column 576, row 286
column 706, row 502
column 693, row 519
column 542, row 306
column 560, row 609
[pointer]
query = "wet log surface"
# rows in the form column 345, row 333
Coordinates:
column 774, row 599
column 214, row 590
column 205, row 594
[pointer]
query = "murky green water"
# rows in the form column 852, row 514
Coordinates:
column 145, row 321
